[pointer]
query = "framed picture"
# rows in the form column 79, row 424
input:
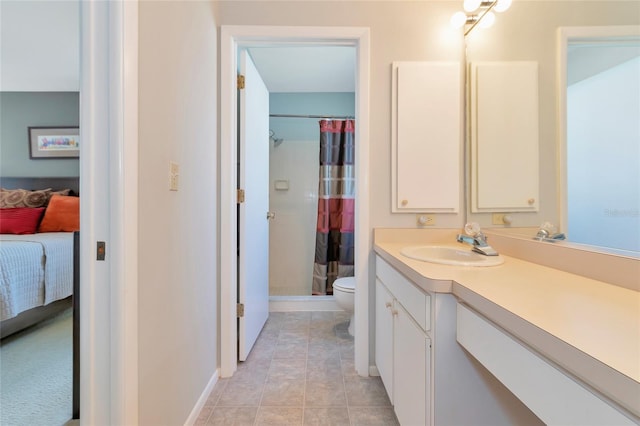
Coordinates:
column 54, row 142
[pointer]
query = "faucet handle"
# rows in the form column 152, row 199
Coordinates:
column 548, row 232
column 548, row 226
column 472, row 228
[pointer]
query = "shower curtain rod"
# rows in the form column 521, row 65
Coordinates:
column 326, row 117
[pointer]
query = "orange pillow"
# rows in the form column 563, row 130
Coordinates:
column 62, row 214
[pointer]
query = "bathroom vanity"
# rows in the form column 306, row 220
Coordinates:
column 518, row 343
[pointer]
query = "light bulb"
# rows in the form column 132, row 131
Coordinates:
column 471, row 5
column 502, row 5
column 458, row 20
column 487, row 20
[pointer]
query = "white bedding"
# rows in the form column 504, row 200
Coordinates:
column 35, row 270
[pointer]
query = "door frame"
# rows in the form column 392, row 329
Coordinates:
column 232, row 37
column 109, row 212
column 564, row 36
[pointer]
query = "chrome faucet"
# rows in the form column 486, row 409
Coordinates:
column 476, row 239
column 547, row 232
column 543, row 235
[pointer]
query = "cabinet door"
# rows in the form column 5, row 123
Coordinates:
column 426, row 137
column 384, row 337
column 504, row 136
column 412, row 360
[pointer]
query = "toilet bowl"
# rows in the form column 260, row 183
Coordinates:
column 343, row 291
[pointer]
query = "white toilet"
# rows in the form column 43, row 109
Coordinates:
column 343, row 291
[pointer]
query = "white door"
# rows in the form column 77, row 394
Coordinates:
column 253, row 225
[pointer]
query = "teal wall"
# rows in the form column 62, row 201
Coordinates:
column 336, row 104
column 20, row 110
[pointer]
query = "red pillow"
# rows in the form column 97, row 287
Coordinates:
column 20, row 220
column 62, row 214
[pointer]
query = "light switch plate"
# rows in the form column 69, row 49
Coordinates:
column 174, row 172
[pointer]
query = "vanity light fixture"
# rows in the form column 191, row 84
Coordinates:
column 471, row 5
column 478, row 13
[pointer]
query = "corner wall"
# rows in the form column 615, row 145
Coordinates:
column 178, row 353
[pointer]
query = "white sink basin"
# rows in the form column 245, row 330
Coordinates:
column 450, row 256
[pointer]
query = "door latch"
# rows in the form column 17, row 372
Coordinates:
column 101, row 250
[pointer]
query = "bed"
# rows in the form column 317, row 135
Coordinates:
column 39, row 272
column 36, row 269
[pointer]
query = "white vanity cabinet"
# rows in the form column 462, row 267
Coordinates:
column 555, row 396
column 403, row 348
column 429, row 378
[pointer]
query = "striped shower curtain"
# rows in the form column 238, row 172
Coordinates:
column 336, row 205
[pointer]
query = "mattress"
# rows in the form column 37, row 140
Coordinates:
column 35, row 270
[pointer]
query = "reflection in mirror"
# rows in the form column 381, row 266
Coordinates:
column 602, row 136
column 529, row 32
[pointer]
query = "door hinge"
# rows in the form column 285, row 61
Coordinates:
column 240, row 310
column 240, row 196
column 240, row 81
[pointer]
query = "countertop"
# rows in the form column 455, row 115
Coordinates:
column 589, row 328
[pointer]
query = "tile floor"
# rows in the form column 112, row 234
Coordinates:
column 300, row 372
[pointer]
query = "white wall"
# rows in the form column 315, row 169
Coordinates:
column 40, row 46
column 178, row 353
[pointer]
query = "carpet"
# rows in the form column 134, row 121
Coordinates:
column 36, row 374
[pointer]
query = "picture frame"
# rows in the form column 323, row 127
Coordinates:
column 54, row 142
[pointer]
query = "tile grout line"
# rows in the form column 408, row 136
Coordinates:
column 344, row 384
column 226, row 382
column 306, row 367
column 266, row 379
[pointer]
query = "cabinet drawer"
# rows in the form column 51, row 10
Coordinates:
column 415, row 301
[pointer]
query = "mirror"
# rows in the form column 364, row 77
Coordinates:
column 529, row 31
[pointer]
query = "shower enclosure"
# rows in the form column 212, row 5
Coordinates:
column 294, row 149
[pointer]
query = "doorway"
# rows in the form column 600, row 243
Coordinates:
column 233, row 38
column 306, row 84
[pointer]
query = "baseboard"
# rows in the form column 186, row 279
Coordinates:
column 373, row 371
column 302, row 303
column 191, row 420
